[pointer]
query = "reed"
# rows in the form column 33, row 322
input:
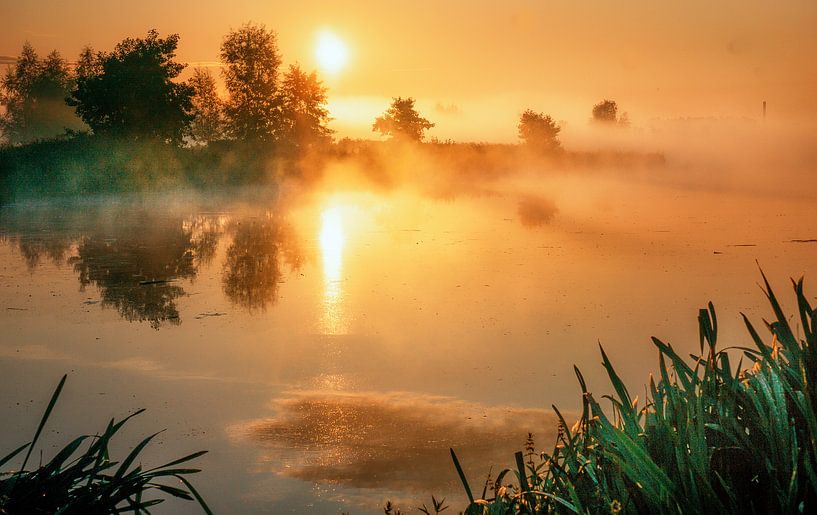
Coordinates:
column 711, row 435
column 79, row 482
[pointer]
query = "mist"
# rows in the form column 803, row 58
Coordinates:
column 332, row 243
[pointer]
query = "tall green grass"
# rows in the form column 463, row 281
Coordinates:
column 711, row 436
column 89, row 482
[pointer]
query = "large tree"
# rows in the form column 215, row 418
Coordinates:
column 33, row 92
column 208, row 109
column 131, row 91
column 303, row 108
column 251, row 60
column 539, row 131
column 401, row 121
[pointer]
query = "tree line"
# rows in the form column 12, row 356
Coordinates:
column 134, row 93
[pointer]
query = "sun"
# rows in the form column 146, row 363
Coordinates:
column 331, row 52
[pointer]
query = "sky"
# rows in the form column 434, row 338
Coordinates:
column 475, row 65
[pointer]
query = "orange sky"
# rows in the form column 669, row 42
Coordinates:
column 475, row 65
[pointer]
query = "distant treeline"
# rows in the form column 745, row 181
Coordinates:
column 121, row 120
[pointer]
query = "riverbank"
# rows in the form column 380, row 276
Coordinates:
column 86, row 165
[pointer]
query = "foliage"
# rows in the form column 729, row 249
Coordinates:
column 130, row 93
column 605, row 111
column 89, row 63
column 33, row 94
column 401, row 121
column 539, row 131
column 207, row 124
column 251, row 60
column 436, row 508
column 304, row 113
column 710, row 437
column 75, row 482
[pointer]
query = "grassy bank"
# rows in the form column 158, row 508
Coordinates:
column 87, row 165
column 84, row 164
column 731, row 430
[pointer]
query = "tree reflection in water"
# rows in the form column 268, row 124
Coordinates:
column 133, row 263
column 136, row 255
column 46, row 233
column 252, row 269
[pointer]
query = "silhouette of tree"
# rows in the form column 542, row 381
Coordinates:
column 89, row 64
column 130, row 92
column 304, row 113
column 401, row 121
column 33, row 93
column 251, row 59
column 539, row 131
column 208, row 109
column 605, row 111
column 253, row 271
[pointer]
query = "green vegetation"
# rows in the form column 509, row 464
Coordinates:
column 131, row 94
column 208, row 124
column 76, row 482
column 251, row 58
column 33, row 93
column 711, row 436
column 304, row 113
column 125, row 121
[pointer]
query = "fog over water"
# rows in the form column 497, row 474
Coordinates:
column 330, row 338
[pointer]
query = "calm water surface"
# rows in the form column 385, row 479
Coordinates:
column 329, row 346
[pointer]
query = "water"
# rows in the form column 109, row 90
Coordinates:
column 328, row 344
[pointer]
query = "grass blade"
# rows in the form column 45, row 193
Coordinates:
column 47, row 414
column 462, row 476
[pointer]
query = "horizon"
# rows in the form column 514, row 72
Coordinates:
column 660, row 63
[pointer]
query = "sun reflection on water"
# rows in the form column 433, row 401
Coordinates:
column 332, row 240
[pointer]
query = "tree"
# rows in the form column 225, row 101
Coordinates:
column 539, row 131
column 303, row 109
column 89, row 64
column 402, row 121
column 208, row 113
column 605, row 111
column 33, row 94
column 130, row 92
column 251, row 59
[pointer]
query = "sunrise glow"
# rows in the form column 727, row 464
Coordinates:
column 336, row 245
column 331, row 52
column 332, row 240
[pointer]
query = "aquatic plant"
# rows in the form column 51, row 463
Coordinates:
column 89, row 482
column 710, row 436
